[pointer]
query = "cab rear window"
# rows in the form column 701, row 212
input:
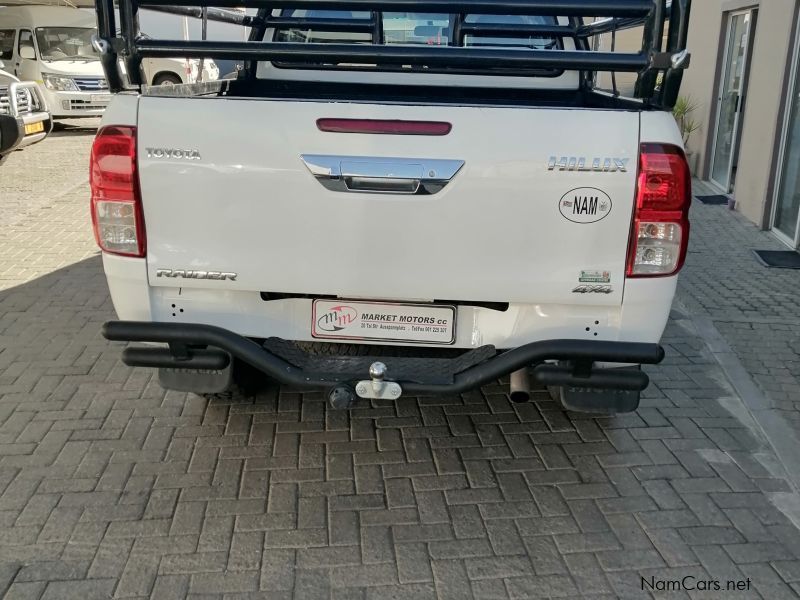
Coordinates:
column 418, row 28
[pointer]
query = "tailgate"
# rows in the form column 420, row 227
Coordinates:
column 238, row 198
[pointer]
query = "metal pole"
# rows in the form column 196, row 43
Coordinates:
column 203, row 36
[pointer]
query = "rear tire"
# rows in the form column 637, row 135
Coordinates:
column 595, row 402
column 239, row 378
column 166, row 79
column 249, row 381
column 555, row 395
column 196, row 382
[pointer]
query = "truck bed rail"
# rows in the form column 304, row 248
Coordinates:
column 659, row 69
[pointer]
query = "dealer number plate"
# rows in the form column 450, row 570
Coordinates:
column 34, row 128
column 383, row 322
column 100, row 98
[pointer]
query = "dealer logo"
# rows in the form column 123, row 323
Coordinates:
column 337, row 318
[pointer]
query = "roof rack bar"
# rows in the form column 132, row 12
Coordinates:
column 259, row 26
column 596, row 8
column 129, row 22
column 377, row 27
column 608, row 25
column 517, row 30
column 214, row 14
column 676, row 43
column 373, row 53
column 678, row 35
column 431, row 56
column 457, row 35
column 106, row 33
column 106, row 22
column 320, row 24
column 653, row 39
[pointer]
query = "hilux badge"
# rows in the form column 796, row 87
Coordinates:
column 592, row 165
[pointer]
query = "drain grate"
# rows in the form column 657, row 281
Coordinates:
column 718, row 199
column 778, row 259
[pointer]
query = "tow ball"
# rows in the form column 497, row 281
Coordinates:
column 343, row 396
column 377, row 387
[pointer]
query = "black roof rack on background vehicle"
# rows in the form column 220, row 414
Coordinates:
column 660, row 55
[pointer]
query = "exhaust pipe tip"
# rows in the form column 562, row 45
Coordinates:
column 520, row 396
column 519, row 389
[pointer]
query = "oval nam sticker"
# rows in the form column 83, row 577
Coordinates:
column 585, row 205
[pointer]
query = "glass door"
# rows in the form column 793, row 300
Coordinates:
column 729, row 100
column 787, row 201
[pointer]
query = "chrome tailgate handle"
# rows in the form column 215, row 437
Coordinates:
column 386, row 176
column 382, row 175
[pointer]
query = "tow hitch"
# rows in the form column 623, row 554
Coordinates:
column 377, row 387
column 343, row 396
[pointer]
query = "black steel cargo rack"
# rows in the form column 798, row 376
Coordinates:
column 658, row 65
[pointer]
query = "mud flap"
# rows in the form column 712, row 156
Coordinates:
column 595, row 401
column 196, row 381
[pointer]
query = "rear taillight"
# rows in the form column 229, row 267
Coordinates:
column 660, row 232
column 116, row 202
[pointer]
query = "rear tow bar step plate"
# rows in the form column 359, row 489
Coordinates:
column 404, row 368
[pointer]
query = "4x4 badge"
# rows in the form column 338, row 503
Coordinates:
column 593, row 289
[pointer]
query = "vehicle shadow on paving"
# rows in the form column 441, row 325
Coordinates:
column 138, row 490
column 62, row 130
column 71, row 131
column 75, row 127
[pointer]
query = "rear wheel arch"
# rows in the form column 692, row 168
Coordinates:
column 167, row 78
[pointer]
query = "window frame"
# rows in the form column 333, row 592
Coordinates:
column 20, row 33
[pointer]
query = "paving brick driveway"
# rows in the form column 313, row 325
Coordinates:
column 110, row 487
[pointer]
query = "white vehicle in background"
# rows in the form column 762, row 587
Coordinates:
column 52, row 45
column 172, row 71
column 390, row 204
column 23, row 100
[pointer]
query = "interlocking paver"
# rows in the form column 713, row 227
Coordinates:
column 110, row 486
column 545, row 555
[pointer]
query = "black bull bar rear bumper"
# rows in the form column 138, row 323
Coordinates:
column 557, row 362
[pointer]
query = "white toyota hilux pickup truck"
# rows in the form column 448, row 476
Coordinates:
column 388, row 204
